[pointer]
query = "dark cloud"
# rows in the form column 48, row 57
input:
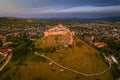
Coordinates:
column 65, row 3
column 76, row 14
column 90, row 2
column 62, row 7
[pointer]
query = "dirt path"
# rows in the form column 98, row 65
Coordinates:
column 8, row 59
column 99, row 73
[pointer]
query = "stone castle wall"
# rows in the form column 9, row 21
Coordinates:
column 57, row 30
column 61, row 30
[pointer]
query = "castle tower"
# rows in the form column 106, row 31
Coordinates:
column 60, row 25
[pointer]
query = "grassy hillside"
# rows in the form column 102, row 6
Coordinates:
column 53, row 41
column 79, row 56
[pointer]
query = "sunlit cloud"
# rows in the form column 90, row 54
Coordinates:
column 82, row 9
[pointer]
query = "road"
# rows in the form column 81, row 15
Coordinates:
column 65, row 68
column 6, row 62
column 7, row 43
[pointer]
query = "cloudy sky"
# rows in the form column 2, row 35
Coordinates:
column 59, row 8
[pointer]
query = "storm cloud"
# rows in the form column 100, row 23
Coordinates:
column 43, row 8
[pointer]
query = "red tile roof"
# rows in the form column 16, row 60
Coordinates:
column 4, row 51
column 100, row 44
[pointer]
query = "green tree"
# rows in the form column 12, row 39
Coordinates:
column 1, row 44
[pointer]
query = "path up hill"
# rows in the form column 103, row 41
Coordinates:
column 79, row 56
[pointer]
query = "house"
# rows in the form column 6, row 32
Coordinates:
column 5, row 51
column 100, row 44
column 114, row 59
column 3, row 38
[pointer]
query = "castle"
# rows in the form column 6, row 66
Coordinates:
column 58, row 30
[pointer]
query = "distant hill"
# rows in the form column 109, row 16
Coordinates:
column 8, row 18
column 14, row 22
column 111, row 18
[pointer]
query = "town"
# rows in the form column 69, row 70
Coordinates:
column 94, row 33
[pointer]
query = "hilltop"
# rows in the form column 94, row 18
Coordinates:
column 80, row 56
column 58, row 36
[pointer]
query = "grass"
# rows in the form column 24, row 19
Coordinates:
column 81, row 58
column 1, row 56
column 52, row 41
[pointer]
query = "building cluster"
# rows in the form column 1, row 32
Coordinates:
column 91, row 32
column 5, row 31
column 113, row 60
column 32, row 32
